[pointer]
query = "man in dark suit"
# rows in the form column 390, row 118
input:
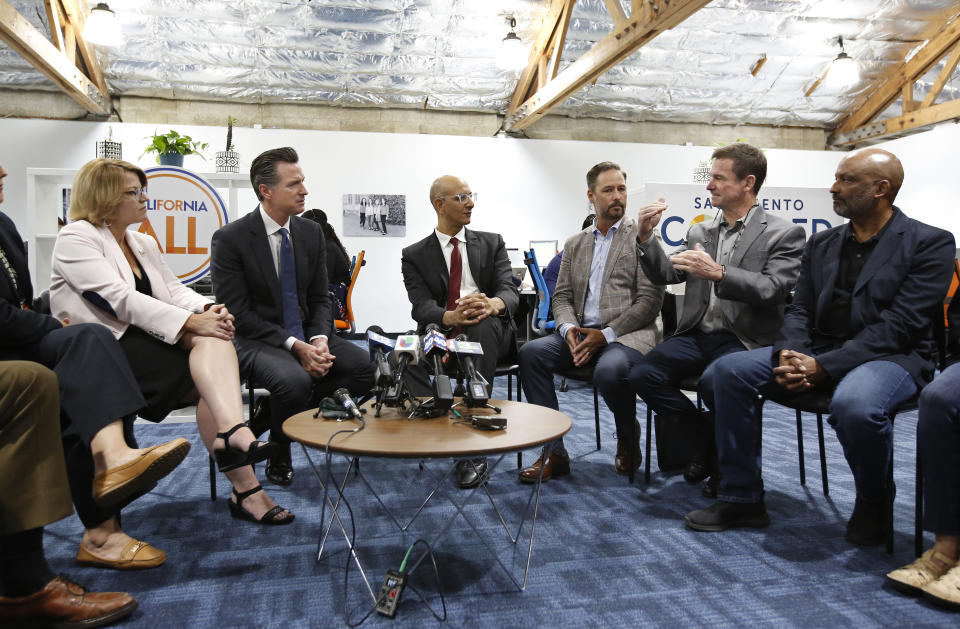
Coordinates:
column 859, row 325
column 269, row 268
column 460, row 279
column 97, row 407
column 739, row 270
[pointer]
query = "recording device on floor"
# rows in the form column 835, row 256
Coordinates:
column 390, row 592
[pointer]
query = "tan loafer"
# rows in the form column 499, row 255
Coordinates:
column 945, row 591
column 140, row 474
column 926, row 569
column 136, row 555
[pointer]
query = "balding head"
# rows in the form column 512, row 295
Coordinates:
column 878, row 164
column 447, row 184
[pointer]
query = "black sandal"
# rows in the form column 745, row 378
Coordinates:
column 229, row 458
column 270, row 517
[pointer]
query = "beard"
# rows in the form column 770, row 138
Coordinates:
column 853, row 206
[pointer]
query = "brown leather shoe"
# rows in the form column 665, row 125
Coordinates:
column 139, row 475
column 63, row 603
column 136, row 555
column 557, row 465
column 621, row 460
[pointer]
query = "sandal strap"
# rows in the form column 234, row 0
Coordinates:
column 271, row 515
column 241, row 496
column 226, row 435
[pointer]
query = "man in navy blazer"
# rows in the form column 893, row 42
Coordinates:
column 287, row 347
column 859, row 325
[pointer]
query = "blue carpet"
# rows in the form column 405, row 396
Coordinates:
column 606, row 554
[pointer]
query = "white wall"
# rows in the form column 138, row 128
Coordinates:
column 529, row 189
column 931, row 165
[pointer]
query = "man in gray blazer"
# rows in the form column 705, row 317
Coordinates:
column 739, row 269
column 605, row 309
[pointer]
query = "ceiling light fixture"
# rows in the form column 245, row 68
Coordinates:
column 513, row 54
column 844, row 71
column 102, row 27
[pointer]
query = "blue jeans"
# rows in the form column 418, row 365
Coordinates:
column 541, row 358
column 859, row 412
column 938, row 446
column 656, row 377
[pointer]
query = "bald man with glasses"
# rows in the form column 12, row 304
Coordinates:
column 460, row 279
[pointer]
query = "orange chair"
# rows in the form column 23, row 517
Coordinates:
column 350, row 324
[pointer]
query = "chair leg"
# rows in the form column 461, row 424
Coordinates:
column 918, row 513
column 563, row 384
column 823, row 456
column 509, row 387
column 803, row 469
column 646, row 462
column 519, row 460
column 519, row 388
column 596, row 414
column 890, row 498
column 213, row 480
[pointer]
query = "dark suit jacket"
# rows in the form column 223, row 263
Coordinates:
column 19, row 328
column 896, row 295
column 427, row 279
column 245, row 278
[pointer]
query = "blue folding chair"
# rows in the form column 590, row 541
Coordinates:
column 542, row 320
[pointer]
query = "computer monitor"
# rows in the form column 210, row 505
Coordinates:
column 517, row 266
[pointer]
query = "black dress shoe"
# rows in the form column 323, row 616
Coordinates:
column 869, row 524
column 721, row 516
column 471, row 472
column 697, row 469
column 279, row 467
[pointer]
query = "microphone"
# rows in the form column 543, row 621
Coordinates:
column 476, row 390
column 342, row 395
column 407, row 352
column 378, row 344
column 435, row 349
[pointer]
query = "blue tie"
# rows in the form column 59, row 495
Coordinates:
column 288, row 288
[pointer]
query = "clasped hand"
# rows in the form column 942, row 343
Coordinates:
column 215, row 321
column 584, row 344
column 798, row 372
column 471, row 309
column 315, row 356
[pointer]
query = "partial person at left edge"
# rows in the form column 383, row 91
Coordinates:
column 270, row 270
column 106, row 468
column 177, row 342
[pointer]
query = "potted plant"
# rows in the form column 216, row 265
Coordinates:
column 171, row 148
column 228, row 161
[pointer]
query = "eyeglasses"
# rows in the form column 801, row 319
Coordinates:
column 461, row 198
column 137, row 193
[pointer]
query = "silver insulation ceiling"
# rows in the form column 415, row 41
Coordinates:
column 442, row 54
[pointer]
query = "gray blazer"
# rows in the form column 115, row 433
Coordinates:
column 759, row 276
column 629, row 302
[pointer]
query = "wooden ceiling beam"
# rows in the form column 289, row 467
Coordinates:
column 77, row 18
column 891, row 84
column 901, row 125
column 546, row 37
column 655, row 17
column 943, row 77
column 34, row 46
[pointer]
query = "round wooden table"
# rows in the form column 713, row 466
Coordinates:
column 393, row 435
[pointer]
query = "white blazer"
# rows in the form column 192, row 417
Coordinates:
column 92, row 282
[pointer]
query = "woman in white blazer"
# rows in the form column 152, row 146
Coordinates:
column 178, row 343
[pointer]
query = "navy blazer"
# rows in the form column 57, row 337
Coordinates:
column 19, row 328
column 427, row 278
column 899, row 290
column 245, row 278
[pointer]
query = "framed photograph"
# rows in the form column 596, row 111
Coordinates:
column 375, row 215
